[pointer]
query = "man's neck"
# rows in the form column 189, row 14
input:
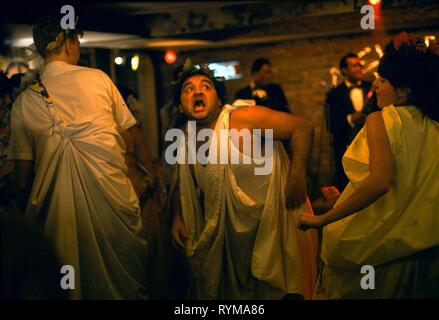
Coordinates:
column 351, row 83
column 207, row 125
column 48, row 60
column 256, row 83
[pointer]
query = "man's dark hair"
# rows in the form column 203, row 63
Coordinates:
column 344, row 60
column 47, row 29
column 217, row 82
column 258, row 63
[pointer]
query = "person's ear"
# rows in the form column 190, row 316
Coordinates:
column 69, row 46
column 180, row 108
column 72, row 43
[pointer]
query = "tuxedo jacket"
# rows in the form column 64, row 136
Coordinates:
column 275, row 99
column 338, row 106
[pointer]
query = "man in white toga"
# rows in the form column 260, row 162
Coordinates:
column 238, row 228
column 67, row 142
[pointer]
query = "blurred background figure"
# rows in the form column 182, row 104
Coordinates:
column 16, row 67
column 261, row 89
column 144, row 172
column 169, row 112
column 6, row 167
column 132, row 100
column 346, row 111
column 147, row 176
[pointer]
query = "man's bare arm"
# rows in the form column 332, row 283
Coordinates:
column 285, row 126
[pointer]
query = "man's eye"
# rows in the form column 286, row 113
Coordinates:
column 188, row 89
column 206, row 86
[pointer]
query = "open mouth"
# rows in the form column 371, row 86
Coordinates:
column 199, row 105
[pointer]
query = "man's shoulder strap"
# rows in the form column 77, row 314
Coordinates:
column 38, row 87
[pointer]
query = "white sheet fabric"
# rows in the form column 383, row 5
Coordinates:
column 80, row 191
column 244, row 243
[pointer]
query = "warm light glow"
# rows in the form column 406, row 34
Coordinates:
column 161, row 43
column 429, row 39
column 371, row 66
column 378, row 50
column 135, row 62
column 118, row 60
column 170, row 56
column 374, row 2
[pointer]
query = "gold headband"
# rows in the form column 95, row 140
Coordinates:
column 58, row 41
column 60, row 38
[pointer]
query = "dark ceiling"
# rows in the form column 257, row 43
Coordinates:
column 208, row 20
column 175, row 19
column 202, row 20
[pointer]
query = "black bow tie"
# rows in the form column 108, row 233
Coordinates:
column 355, row 86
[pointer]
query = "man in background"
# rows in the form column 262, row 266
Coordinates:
column 346, row 111
column 261, row 89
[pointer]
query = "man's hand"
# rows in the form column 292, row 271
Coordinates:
column 309, row 221
column 295, row 192
column 179, row 233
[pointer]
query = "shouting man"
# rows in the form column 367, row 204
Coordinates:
column 238, row 228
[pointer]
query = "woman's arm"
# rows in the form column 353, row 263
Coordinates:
column 373, row 187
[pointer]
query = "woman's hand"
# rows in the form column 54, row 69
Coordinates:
column 331, row 194
column 309, row 221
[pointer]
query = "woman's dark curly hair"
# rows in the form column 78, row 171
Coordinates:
column 409, row 66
